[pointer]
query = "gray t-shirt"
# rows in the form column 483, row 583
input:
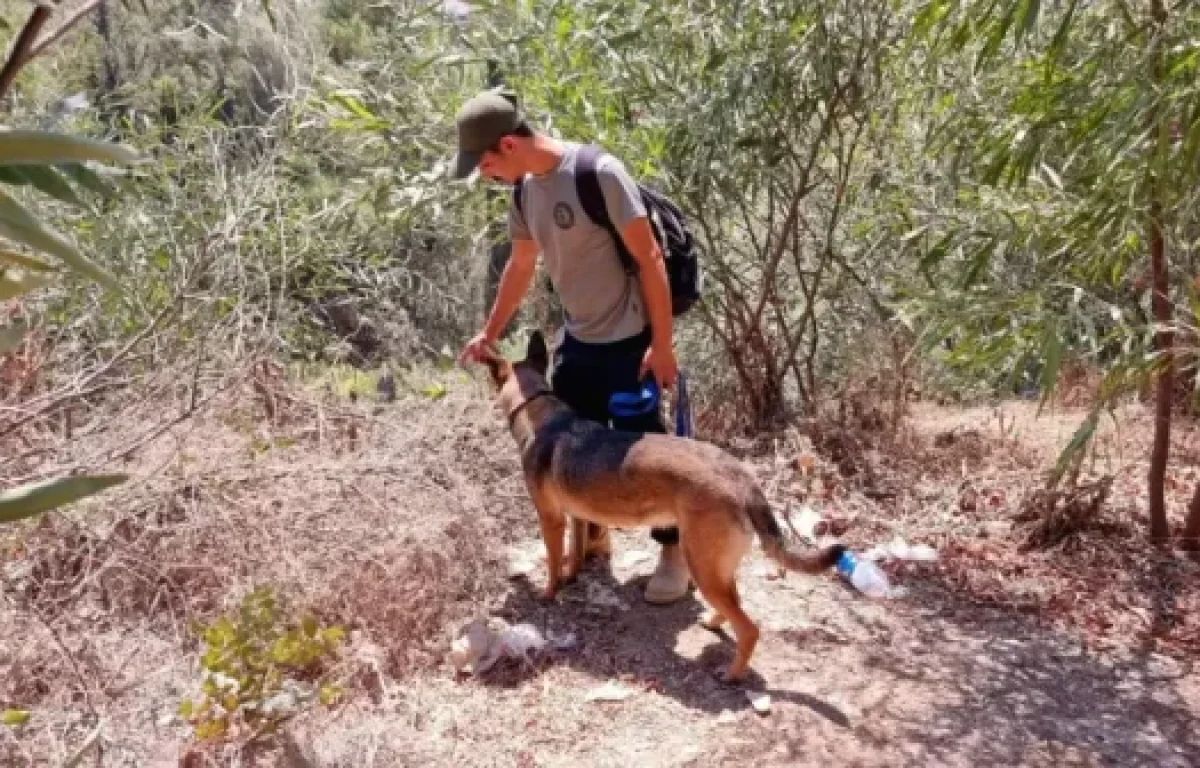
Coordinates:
column 602, row 303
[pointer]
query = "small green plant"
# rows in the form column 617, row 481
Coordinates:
column 261, row 669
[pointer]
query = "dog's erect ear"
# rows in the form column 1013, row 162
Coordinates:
column 536, row 353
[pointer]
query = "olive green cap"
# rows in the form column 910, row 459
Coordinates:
column 482, row 121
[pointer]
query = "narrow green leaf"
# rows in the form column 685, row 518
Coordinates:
column 716, row 58
column 86, row 178
column 47, row 181
column 14, row 176
column 434, row 391
column 1079, row 440
column 929, row 17
column 12, row 257
column 24, row 147
column 355, row 106
column 937, row 253
column 993, row 171
column 960, row 36
column 1059, row 42
column 1027, row 17
column 270, row 13
column 996, row 39
column 625, row 37
column 981, row 260
column 14, row 717
column 19, row 225
column 1185, row 62
column 33, row 498
column 1052, row 355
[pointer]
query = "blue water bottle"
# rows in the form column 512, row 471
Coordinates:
column 864, row 575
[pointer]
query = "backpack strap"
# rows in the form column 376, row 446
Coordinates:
column 517, row 195
column 591, row 197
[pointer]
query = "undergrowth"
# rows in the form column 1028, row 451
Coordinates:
column 261, row 667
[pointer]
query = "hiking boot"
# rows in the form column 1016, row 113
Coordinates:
column 671, row 580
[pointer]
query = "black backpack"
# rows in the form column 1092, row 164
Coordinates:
column 680, row 251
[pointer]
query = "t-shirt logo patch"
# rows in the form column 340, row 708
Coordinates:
column 564, row 216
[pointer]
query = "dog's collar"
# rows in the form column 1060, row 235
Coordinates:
column 512, row 416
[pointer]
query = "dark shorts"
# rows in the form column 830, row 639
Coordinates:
column 586, row 375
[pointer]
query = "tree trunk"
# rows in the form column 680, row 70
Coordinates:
column 1164, row 396
column 1161, row 307
column 1191, row 529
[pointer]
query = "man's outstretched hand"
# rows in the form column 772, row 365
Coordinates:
column 662, row 363
column 476, row 349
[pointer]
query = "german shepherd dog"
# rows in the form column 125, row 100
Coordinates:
column 577, row 468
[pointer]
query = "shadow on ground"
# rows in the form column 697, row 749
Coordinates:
column 639, row 644
column 950, row 682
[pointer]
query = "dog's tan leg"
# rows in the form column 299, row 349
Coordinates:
column 579, row 542
column 715, row 577
column 554, row 528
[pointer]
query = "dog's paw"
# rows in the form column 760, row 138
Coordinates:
column 550, row 593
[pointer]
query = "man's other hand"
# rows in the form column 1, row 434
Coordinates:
column 660, row 362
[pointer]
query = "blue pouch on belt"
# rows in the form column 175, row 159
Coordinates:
column 630, row 404
column 643, row 401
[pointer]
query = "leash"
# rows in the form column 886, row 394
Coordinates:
column 683, row 407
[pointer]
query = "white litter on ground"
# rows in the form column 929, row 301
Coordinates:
column 610, row 691
column 486, row 641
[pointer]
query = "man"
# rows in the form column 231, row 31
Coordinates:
column 618, row 326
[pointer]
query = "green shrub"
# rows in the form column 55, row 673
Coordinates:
column 261, row 669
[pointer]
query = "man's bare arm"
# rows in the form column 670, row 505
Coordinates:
column 514, row 284
column 656, row 292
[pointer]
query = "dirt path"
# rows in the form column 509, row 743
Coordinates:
column 937, row 677
column 926, row 680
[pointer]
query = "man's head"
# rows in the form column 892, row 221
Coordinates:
column 494, row 137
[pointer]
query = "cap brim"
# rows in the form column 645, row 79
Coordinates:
column 465, row 164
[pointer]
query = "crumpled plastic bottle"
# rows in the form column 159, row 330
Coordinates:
column 863, row 574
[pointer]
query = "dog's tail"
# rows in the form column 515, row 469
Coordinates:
column 775, row 545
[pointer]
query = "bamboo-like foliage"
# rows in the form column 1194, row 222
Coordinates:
column 55, row 165
column 1074, row 231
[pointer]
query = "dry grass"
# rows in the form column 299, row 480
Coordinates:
column 393, row 520
column 1057, row 515
column 971, row 483
column 405, row 597
column 389, row 519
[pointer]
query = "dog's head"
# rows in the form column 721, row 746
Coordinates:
column 517, row 382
